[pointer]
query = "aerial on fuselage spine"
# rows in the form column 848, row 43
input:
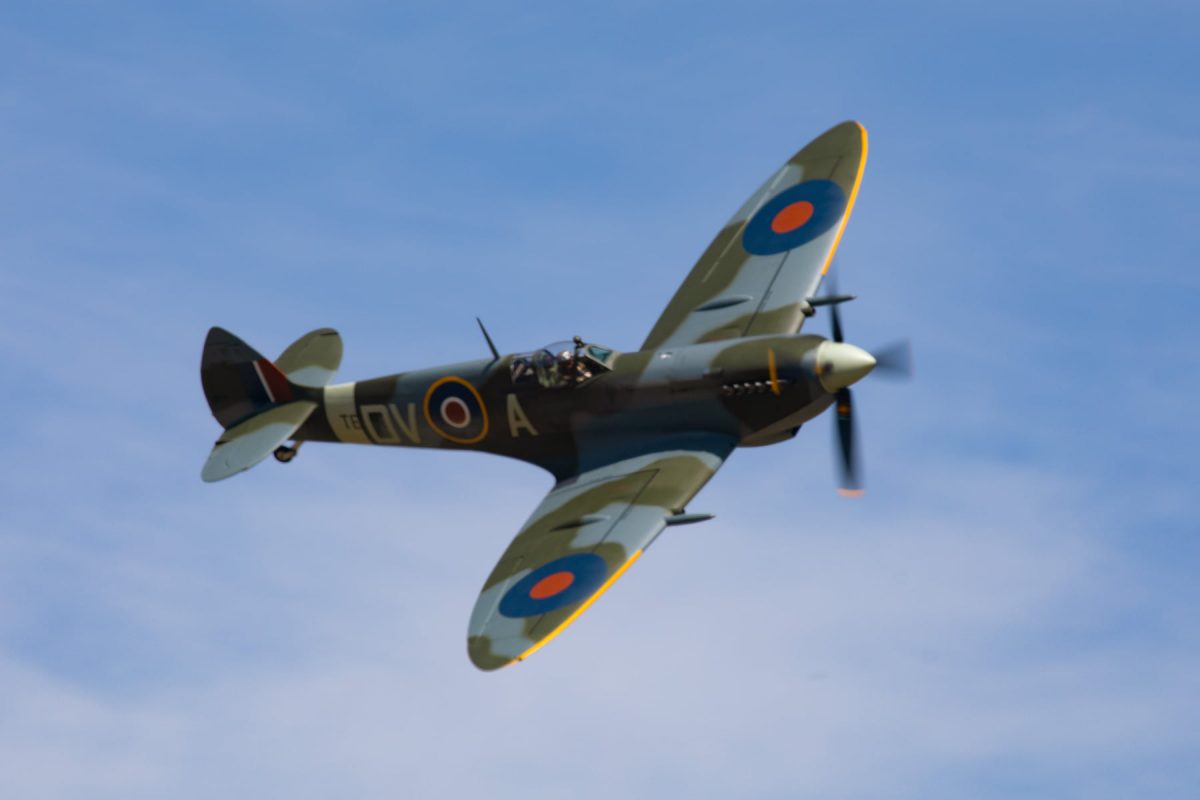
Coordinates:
column 630, row 437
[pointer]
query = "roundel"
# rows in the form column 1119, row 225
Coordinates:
column 793, row 217
column 561, row 582
column 455, row 410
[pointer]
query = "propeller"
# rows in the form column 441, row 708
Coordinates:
column 893, row 360
column 849, row 483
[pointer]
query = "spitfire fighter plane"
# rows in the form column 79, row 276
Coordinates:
column 631, row 437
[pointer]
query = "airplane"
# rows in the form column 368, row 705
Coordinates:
column 629, row 437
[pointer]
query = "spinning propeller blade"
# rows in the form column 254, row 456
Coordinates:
column 892, row 360
column 836, row 321
column 849, row 485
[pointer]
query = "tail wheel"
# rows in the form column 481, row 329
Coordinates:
column 284, row 453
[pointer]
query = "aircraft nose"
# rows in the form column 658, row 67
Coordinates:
column 840, row 365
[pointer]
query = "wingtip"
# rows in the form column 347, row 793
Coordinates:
column 850, row 123
column 479, row 650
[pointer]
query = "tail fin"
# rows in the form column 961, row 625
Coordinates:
column 238, row 381
column 260, row 403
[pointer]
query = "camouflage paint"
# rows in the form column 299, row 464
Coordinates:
column 775, row 283
column 724, row 366
column 682, row 390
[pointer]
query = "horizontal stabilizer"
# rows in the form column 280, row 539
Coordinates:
column 246, row 444
column 312, row 359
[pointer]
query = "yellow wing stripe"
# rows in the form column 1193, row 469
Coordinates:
column 862, row 165
column 582, row 608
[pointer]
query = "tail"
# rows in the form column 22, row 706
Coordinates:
column 259, row 403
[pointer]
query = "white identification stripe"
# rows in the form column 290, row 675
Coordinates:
column 342, row 414
column 263, row 380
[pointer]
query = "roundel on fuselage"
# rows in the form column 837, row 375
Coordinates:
column 454, row 409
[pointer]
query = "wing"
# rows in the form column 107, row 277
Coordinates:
column 582, row 537
column 770, row 256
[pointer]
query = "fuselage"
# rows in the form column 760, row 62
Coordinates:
column 755, row 390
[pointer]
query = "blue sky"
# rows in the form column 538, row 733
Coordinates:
column 1009, row 612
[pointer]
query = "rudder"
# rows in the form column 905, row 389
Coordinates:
column 238, row 381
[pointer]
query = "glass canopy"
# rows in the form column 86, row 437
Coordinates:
column 562, row 364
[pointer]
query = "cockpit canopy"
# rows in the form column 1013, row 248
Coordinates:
column 562, row 364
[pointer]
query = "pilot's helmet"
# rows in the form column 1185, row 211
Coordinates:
column 566, row 356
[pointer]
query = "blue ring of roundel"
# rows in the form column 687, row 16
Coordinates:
column 589, row 570
column 455, row 388
column 828, row 200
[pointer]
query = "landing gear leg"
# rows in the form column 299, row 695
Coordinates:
column 284, row 454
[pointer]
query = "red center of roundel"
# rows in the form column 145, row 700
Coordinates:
column 552, row 585
column 792, row 217
column 455, row 412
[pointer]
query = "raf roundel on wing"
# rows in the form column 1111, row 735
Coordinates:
column 561, row 582
column 794, row 217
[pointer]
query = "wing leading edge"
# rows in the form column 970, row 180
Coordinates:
column 754, row 277
column 582, row 537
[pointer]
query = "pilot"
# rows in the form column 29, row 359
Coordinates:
column 581, row 369
column 567, row 366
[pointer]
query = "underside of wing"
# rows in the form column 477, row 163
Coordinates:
column 583, row 536
column 755, row 276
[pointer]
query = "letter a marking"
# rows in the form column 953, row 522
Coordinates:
column 517, row 419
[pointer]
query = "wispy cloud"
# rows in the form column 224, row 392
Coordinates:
column 1007, row 612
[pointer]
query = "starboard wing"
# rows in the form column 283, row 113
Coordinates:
column 754, row 277
column 583, row 536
